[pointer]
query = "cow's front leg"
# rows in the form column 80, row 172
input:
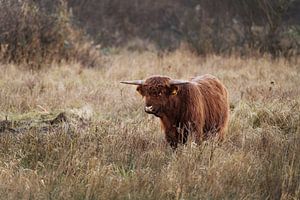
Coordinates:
column 172, row 138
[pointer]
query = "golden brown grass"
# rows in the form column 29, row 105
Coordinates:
column 110, row 149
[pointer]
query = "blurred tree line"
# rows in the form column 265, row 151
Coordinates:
column 42, row 31
column 207, row 26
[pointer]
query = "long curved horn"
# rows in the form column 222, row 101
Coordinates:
column 178, row 82
column 136, row 82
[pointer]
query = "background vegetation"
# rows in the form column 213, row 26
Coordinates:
column 38, row 33
column 207, row 26
column 69, row 130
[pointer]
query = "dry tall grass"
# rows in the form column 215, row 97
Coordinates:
column 108, row 148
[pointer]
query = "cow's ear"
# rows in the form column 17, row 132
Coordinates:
column 174, row 90
column 140, row 90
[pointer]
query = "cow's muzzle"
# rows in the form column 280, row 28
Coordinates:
column 151, row 110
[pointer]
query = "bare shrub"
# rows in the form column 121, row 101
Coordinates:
column 39, row 32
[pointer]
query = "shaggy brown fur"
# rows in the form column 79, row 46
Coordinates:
column 199, row 107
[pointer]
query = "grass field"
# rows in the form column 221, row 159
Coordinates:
column 69, row 132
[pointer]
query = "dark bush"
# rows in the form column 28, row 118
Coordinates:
column 40, row 32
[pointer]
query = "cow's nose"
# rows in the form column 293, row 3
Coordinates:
column 148, row 108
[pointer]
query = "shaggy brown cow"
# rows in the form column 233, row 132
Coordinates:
column 199, row 106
